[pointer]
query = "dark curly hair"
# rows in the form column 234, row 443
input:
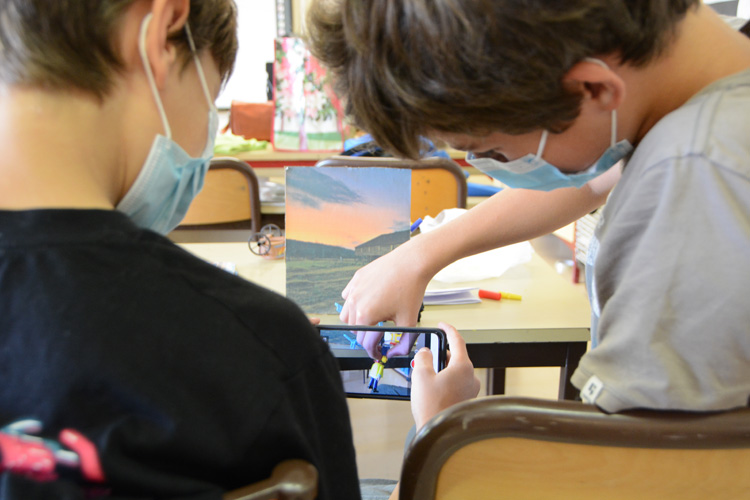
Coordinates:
column 406, row 68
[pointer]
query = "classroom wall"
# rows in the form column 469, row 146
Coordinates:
column 257, row 29
column 739, row 8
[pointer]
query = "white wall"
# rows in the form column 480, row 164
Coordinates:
column 740, row 8
column 257, row 30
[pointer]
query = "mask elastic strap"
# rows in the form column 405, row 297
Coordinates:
column 596, row 61
column 198, row 66
column 150, row 74
column 542, row 143
column 613, row 136
column 613, row 139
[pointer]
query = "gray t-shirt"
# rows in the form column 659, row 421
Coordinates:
column 670, row 289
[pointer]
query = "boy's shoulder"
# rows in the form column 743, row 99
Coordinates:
column 268, row 318
column 94, row 268
column 712, row 126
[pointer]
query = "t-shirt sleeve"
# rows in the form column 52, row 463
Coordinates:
column 672, row 282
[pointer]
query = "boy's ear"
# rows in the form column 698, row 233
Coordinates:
column 599, row 84
column 167, row 17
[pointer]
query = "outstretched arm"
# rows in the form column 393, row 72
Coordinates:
column 392, row 287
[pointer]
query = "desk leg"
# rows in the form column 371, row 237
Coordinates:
column 567, row 390
column 499, row 356
column 495, row 381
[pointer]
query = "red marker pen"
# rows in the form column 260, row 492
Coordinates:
column 487, row 294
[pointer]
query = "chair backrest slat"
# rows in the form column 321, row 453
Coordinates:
column 230, row 194
column 500, row 447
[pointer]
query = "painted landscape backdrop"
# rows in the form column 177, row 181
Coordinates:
column 337, row 220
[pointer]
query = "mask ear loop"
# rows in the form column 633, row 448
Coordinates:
column 198, row 66
column 613, row 134
column 613, row 137
column 150, row 74
column 542, row 143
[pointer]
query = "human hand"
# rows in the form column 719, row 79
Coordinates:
column 403, row 348
column 389, row 288
column 370, row 341
column 433, row 392
column 314, row 321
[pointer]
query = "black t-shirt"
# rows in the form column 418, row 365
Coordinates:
column 189, row 381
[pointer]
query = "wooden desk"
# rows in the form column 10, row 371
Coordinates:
column 269, row 158
column 549, row 327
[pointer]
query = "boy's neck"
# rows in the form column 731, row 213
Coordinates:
column 691, row 63
column 59, row 150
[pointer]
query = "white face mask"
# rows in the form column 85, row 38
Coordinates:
column 533, row 172
column 170, row 178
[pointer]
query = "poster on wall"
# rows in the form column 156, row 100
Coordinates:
column 308, row 115
column 339, row 219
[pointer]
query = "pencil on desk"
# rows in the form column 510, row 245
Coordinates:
column 487, row 294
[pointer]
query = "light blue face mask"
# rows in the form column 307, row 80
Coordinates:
column 170, row 178
column 533, row 172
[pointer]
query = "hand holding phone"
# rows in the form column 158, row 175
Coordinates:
column 384, row 369
column 434, row 392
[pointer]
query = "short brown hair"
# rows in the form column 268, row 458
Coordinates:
column 70, row 44
column 406, row 68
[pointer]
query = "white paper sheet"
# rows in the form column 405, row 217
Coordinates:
column 451, row 296
column 490, row 264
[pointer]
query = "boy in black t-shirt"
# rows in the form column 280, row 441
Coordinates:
column 146, row 371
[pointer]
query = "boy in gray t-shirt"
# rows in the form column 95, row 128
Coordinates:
column 669, row 280
column 548, row 99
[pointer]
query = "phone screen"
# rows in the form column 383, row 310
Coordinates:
column 362, row 376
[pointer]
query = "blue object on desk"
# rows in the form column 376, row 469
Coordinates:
column 475, row 189
column 364, row 145
column 352, row 342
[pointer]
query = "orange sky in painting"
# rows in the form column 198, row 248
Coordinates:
column 339, row 225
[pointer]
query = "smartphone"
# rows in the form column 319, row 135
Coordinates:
column 363, row 376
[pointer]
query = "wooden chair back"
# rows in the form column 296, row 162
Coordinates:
column 436, row 183
column 518, row 449
column 290, row 480
column 229, row 199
